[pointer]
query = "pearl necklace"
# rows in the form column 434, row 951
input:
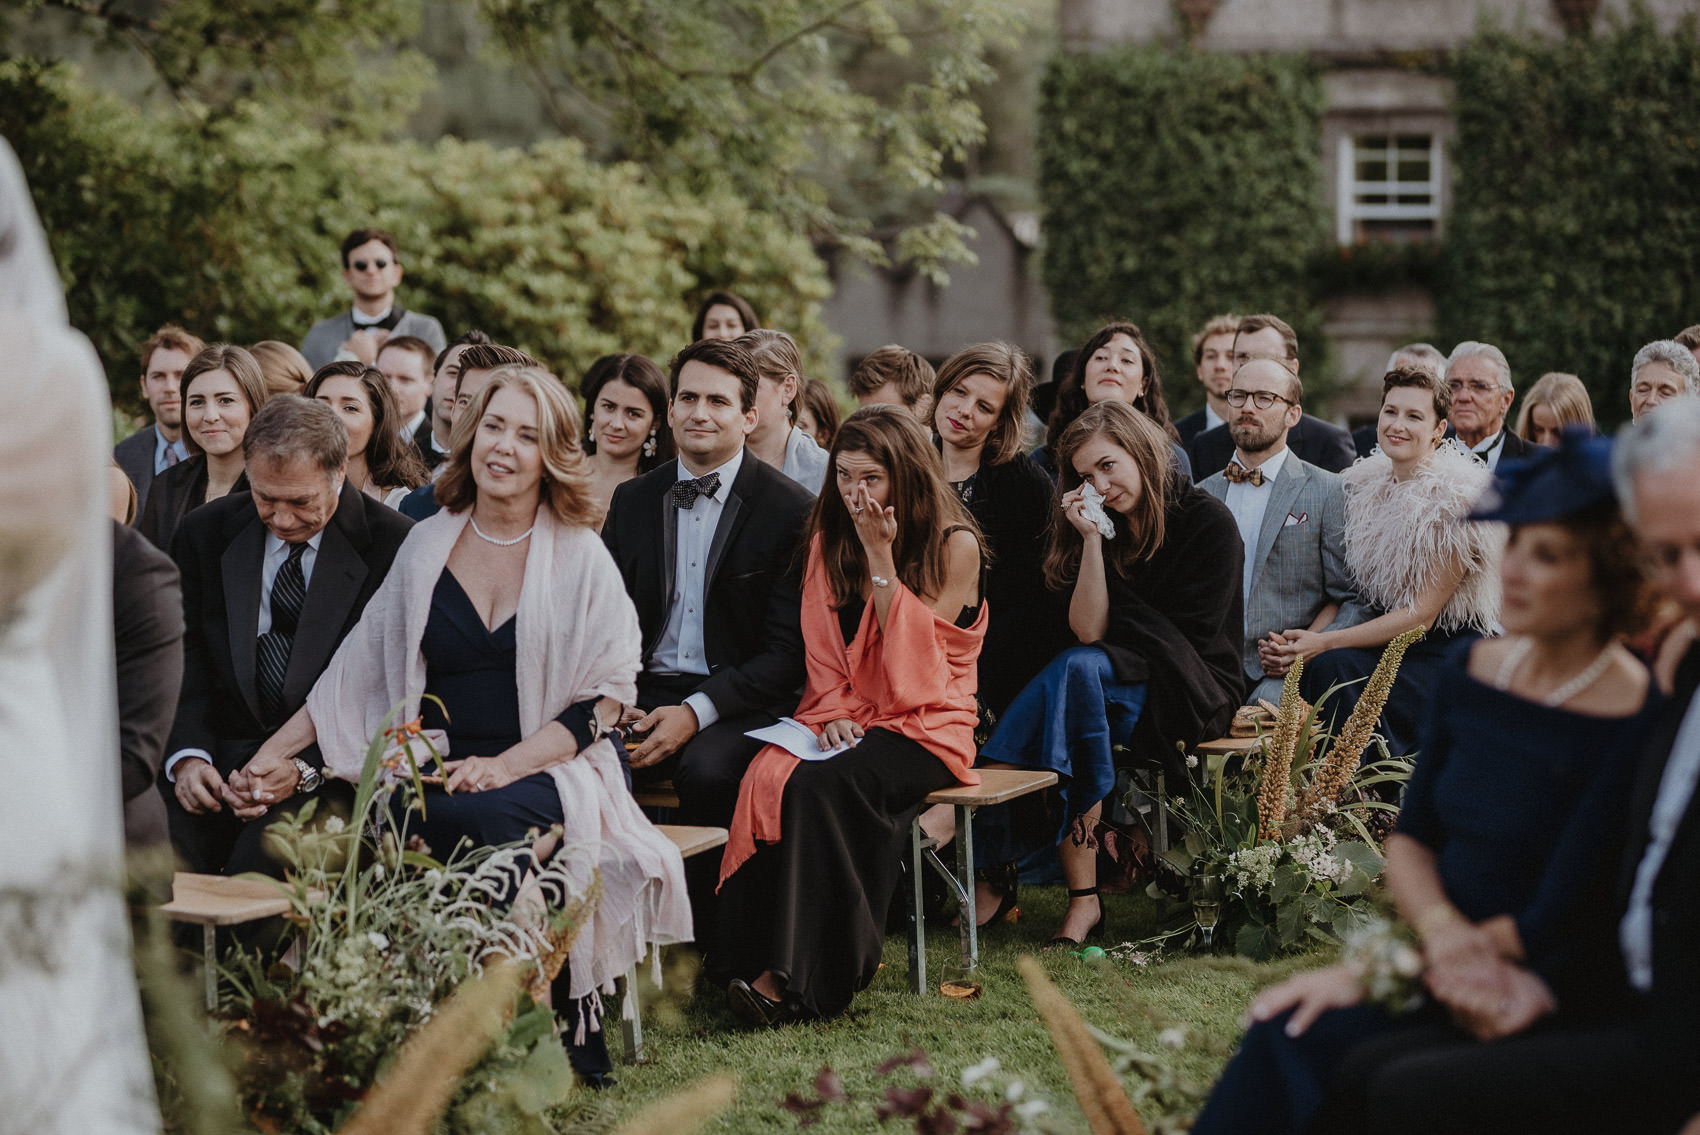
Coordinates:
column 1587, row 677
column 483, row 535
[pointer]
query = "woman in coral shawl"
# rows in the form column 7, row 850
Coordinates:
column 892, row 627
column 1412, row 558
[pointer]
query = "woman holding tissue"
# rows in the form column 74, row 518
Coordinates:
column 892, row 626
column 1153, row 567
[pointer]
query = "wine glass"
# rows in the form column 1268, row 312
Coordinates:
column 1206, row 890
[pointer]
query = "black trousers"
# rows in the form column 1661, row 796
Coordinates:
column 217, row 843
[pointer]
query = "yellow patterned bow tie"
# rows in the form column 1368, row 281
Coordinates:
column 1235, row 472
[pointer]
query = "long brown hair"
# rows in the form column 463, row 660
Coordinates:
column 567, row 489
column 1137, row 536
column 391, row 460
column 1071, row 395
column 927, row 508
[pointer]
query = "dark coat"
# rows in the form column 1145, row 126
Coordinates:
column 147, row 609
column 1321, row 443
column 426, row 447
column 1190, row 427
column 1177, row 622
column 752, row 595
column 134, row 455
column 177, row 492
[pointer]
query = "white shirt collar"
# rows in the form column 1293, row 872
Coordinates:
column 361, row 319
column 275, row 547
column 1271, row 467
column 728, row 473
column 1211, row 418
column 1488, row 445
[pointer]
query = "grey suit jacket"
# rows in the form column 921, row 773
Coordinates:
column 135, row 456
column 1299, row 557
column 328, row 335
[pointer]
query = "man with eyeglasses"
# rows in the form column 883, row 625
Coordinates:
column 1292, row 519
column 371, row 268
column 1482, row 394
column 1321, row 443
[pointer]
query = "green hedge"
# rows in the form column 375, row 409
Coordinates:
column 1177, row 185
column 232, row 230
column 1576, row 217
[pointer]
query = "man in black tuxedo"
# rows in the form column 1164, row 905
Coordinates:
column 273, row 579
column 1320, row 443
column 408, row 363
column 710, row 548
column 1482, row 394
column 1630, row 1068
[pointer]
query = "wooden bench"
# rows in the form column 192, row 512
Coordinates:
column 997, row 786
column 690, row 841
column 661, row 794
column 211, row 901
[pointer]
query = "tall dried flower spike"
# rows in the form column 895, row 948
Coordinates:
column 1278, row 763
column 1337, row 769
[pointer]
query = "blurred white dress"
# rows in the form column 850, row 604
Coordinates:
column 72, row 1056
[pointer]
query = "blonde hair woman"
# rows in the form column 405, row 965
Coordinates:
column 1555, row 403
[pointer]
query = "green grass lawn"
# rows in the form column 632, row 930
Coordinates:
column 1204, row 996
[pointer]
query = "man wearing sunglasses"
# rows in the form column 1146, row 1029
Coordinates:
column 1292, row 519
column 371, row 268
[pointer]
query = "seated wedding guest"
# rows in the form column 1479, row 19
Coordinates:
column 1631, row 1067
column 1557, row 402
column 1482, row 393
column 147, row 614
column 506, row 606
column 817, row 412
column 1661, row 371
column 980, row 403
column 222, row 391
column 1153, row 575
column 1291, row 517
column 625, row 410
column 407, row 363
column 152, row 450
column 382, row 462
column 432, row 438
column 1425, row 356
column 473, row 369
column 709, row 546
column 1213, row 364
column 893, row 619
column 285, row 371
column 723, row 315
column 776, row 439
column 259, row 632
column 1116, row 364
column 1413, row 560
column 1540, row 728
column 893, row 376
column 1321, row 443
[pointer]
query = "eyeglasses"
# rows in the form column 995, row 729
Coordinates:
column 1479, row 389
column 1262, row 399
column 380, row 265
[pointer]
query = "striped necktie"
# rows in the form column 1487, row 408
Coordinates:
column 271, row 657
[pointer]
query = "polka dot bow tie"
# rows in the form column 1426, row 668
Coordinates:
column 685, row 493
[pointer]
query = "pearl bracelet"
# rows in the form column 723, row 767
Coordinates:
column 879, row 580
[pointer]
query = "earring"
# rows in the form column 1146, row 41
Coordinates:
column 649, row 444
column 590, row 435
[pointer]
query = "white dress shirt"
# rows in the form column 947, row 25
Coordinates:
column 1248, row 503
column 161, row 447
column 361, row 319
column 1212, row 419
column 680, row 649
column 1489, row 449
column 277, row 552
column 1676, row 789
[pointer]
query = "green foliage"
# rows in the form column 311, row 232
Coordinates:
column 1577, row 165
column 1178, row 185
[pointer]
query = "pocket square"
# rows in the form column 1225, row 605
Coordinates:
column 1295, row 518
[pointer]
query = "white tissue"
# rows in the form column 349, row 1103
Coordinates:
column 1093, row 500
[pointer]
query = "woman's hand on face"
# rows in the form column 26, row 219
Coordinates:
column 836, row 732
column 876, row 526
column 479, row 774
column 1308, row 995
column 1074, row 507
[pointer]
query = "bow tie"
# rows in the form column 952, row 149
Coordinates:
column 1236, row 473
column 685, row 493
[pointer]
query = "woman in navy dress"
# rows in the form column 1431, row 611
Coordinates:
column 1519, row 779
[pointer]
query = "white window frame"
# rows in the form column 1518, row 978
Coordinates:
column 1348, row 188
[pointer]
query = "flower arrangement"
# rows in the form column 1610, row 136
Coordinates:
column 1295, row 839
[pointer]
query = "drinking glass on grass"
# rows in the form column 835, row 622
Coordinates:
column 1206, row 891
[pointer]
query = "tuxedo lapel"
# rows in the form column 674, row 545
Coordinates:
column 667, row 523
column 338, row 572
column 732, row 517
column 241, row 567
column 1281, row 497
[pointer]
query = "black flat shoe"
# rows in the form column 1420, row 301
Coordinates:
column 1096, row 930
column 760, row 1011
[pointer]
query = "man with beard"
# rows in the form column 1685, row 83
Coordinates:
column 1291, row 516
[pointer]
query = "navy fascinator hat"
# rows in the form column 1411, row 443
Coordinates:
column 1551, row 483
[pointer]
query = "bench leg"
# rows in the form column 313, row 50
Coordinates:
column 1162, row 813
column 965, row 894
column 917, row 924
column 631, row 1015
column 209, row 960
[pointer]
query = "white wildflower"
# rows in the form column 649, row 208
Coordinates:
column 1172, row 1037
column 1014, row 1091
column 1032, row 1109
column 974, row 1073
column 1191, row 761
column 334, row 825
column 378, row 940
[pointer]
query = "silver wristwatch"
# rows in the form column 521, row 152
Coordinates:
column 311, row 777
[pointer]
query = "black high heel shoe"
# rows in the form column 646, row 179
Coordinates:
column 1097, row 928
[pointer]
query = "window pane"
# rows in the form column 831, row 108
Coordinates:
column 1412, row 169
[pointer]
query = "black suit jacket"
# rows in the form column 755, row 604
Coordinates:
column 1675, row 1001
column 752, row 595
column 426, row 447
column 176, row 493
column 147, row 609
column 220, row 550
column 1321, row 443
column 134, row 455
column 1190, row 427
